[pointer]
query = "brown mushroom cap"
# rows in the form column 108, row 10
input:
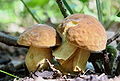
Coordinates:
column 39, row 35
column 84, row 31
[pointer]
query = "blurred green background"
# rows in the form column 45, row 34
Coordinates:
column 14, row 17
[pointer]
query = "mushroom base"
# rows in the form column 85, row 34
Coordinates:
column 77, row 62
column 37, row 56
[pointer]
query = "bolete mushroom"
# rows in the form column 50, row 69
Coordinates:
column 81, row 34
column 40, row 38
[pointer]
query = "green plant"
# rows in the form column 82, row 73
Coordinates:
column 8, row 74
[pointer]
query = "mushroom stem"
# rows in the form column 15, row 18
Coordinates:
column 76, row 62
column 80, row 60
column 64, row 51
column 37, row 56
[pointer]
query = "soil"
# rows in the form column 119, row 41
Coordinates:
column 12, row 61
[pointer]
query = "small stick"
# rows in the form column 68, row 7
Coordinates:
column 51, row 65
column 33, row 73
column 9, row 40
column 117, row 35
column 37, row 68
column 99, row 10
column 30, row 12
column 62, row 9
column 67, row 6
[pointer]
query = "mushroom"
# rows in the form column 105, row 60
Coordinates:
column 81, row 35
column 40, row 38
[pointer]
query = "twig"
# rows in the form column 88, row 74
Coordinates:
column 9, row 40
column 99, row 10
column 113, row 38
column 30, row 12
column 67, row 6
column 52, row 67
column 33, row 73
column 62, row 9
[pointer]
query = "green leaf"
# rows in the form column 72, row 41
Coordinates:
column 118, row 46
column 115, row 18
column 84, row 1
column 34, row 3
column 111, row 50
column 118, row 14
column 8, row 74
column 112, row 53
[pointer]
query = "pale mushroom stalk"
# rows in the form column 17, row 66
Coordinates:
column 64, row 51
column 37, row 56
column 80, row 60
column 76, row 62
